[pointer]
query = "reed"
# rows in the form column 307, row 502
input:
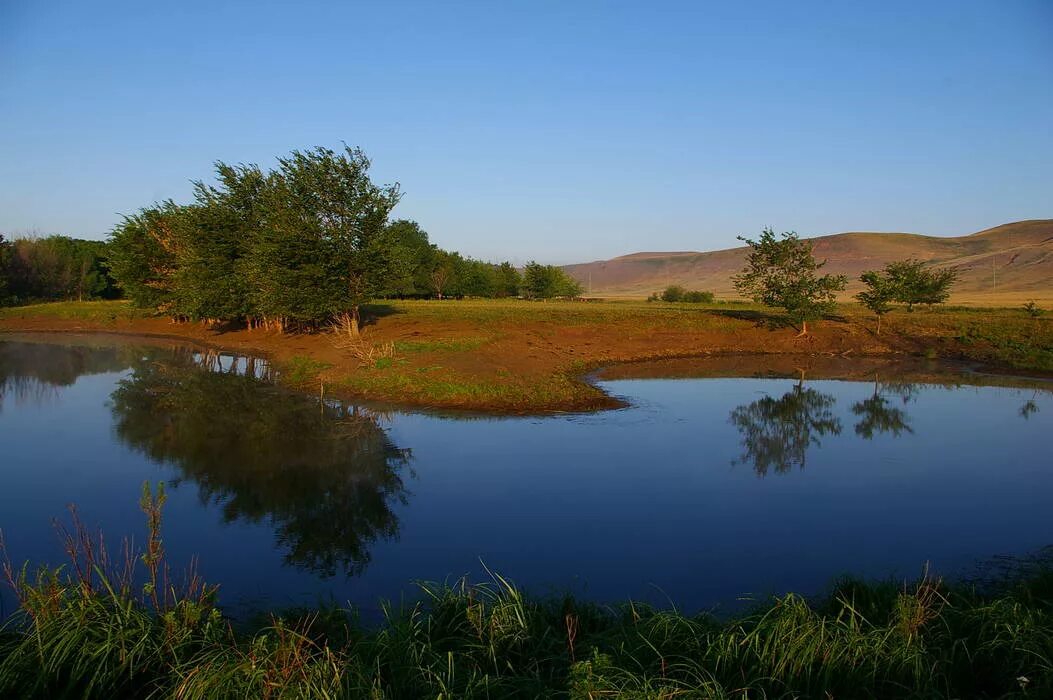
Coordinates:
column 103, row 627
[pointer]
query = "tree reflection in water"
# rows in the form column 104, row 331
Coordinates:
column 32, row 372
column 325, row 476
column 776, row 433
column 877, row 415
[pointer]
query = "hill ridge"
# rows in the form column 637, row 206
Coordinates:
column 1012, row 258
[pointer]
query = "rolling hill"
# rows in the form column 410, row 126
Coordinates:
column 1004, row 264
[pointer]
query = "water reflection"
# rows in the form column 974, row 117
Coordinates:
column 877, row 415
column 1029, row 408
column 325, row 476
column 777, row 432
column 31, row 372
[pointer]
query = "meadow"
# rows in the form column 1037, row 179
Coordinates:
column 522, row 356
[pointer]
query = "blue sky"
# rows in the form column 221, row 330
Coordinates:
column 561, row 131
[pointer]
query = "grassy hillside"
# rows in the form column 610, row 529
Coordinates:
column 1004, row 264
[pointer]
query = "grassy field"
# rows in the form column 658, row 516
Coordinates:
column 523, row 356
column 98, row 629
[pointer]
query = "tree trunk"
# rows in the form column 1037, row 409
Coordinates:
column 879, row 324
column 804, row 329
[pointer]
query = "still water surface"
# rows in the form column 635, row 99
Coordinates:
column 703, row 493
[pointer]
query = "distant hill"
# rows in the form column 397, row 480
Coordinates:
column 1008, row 262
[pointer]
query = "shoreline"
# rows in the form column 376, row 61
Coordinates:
column 537, row 359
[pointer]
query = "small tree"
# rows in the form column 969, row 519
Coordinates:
column 783, row 274
column 879, row 294
column 915, row 284
column 440, row 277
column 547, row 281
column 673, row 292
column 1030, row 308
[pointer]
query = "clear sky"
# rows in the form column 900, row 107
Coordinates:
column 562, row 131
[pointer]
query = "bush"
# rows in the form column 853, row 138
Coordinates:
column 675, row 293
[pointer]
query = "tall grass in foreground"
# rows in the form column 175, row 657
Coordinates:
column 100, row 628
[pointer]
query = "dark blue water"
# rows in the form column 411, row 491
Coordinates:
column 703, row 492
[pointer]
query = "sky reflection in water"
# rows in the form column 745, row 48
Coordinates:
column 702, row 492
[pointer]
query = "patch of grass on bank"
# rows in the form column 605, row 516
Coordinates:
column 95, row 631
column 440, row 345
column 301, row 369
column 93, row 311
column 437, row 385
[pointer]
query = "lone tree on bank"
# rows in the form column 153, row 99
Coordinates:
column 783, row 273
column 916, row 283
column 879, row 294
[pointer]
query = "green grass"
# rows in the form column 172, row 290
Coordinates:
column 94, row 311
column 301, row 369
column 440, row 345
column 92, row 631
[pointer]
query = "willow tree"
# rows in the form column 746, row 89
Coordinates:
column 143, row 252
column 322, row 249
column 215, row 235
column 783, row 273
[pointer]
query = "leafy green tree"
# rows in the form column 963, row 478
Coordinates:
column 143, row 255
column 698, row 297
column 413, row 258
column 548, row 281
column 879, row 294
column 784, row 274
column 917, row 283
column 215, row 235
column 323, row 248
column 507, row 280
column 673, row 292
column 58, row 267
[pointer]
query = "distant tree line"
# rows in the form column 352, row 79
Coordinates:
column 676, row 293
column 297, row 247
column 54, row 268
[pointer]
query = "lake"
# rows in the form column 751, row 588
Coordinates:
column 706, row 491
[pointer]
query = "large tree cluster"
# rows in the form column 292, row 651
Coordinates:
column 289, row 248
column 53, row 268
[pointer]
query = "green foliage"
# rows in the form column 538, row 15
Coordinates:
column 413, row 259
column 675, row 293
column 295, row 247
column 548, row 281
column 143, row 255
column 913, row 282
column 322, row 248
column 87, row 631
column 54, row 268
column 783, row 274
column 879, row 294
